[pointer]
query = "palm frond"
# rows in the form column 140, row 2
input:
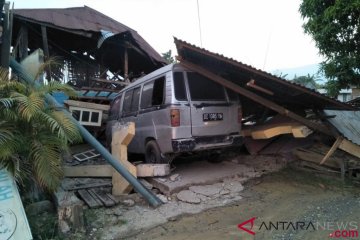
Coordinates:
column 6, row 102
column 4, row 74
column 28, row 106
column 52, row 61
column 46, row 160
column 69, row 128
column 6, row 132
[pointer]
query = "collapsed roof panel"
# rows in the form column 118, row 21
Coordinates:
column 79, row 29
column 347, row 123
column 285, row 93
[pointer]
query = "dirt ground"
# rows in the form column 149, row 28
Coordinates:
column 287, row 196
column 290, row 196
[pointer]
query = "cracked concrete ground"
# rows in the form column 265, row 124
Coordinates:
column 192, row 199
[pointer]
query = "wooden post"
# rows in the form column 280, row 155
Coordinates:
column 45, row 41
column 24, row 43
column 126, row 65
column 6, row 37
column 46, row 50
column 121, row 137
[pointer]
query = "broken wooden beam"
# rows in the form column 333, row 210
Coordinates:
column 332, row 149
column 350, row 148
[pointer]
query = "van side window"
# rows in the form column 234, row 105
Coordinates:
column 127, row 101
column 153, row 93
column 203, row 89
column 179, row 86
column 131, row 100
column 115, row 108
column 135, row 100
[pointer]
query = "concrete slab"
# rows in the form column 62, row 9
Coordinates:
column 200, row 173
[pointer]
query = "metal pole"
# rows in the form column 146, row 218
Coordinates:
column 148, row 195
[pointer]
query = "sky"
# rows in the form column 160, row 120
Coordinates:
column 265, row 34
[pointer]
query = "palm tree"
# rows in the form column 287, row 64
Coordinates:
column 33, row 134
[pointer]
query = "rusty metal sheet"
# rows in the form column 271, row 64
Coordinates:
column 347, row 123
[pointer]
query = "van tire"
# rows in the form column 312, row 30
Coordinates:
column 152, row 152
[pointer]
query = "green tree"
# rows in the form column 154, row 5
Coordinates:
column 33, row 134
column 309, row 81
column 168, row 57
column 334, row 25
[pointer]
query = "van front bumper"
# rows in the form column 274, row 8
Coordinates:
column 205, row 143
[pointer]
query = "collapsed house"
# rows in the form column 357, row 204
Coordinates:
column 95, row 54
column 290, row 107
column 90, row 47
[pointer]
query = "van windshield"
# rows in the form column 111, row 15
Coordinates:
column 203, row 89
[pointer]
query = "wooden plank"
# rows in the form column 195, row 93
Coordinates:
column 315, row 157
column 105, row 99
column 108, row 202
column 271, row 132
column 95, row 89
column 112, row 198
column 89, row 171
column 350, row 147
column 252, row 84
column 89, row 199
column 256, row 98
column 70, row 184
column 332, row 149
column 121, row 137
column 96, row 106
column 109, row 81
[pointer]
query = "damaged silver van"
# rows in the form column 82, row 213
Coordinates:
column 177, row 111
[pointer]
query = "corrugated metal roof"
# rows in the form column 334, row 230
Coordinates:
column 347, row 123
column 286, row 93
column 82, row 19
column 76, row 18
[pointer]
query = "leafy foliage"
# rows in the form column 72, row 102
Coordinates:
column 33, row 134
column 334, row 25
column 309, row 81
column 168, row 57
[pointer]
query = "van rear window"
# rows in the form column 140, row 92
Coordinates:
column 203, row 89
column 179, row 86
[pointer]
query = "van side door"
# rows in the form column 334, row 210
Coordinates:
column 130, row 112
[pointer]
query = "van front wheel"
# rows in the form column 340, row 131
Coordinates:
column 152, row 152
